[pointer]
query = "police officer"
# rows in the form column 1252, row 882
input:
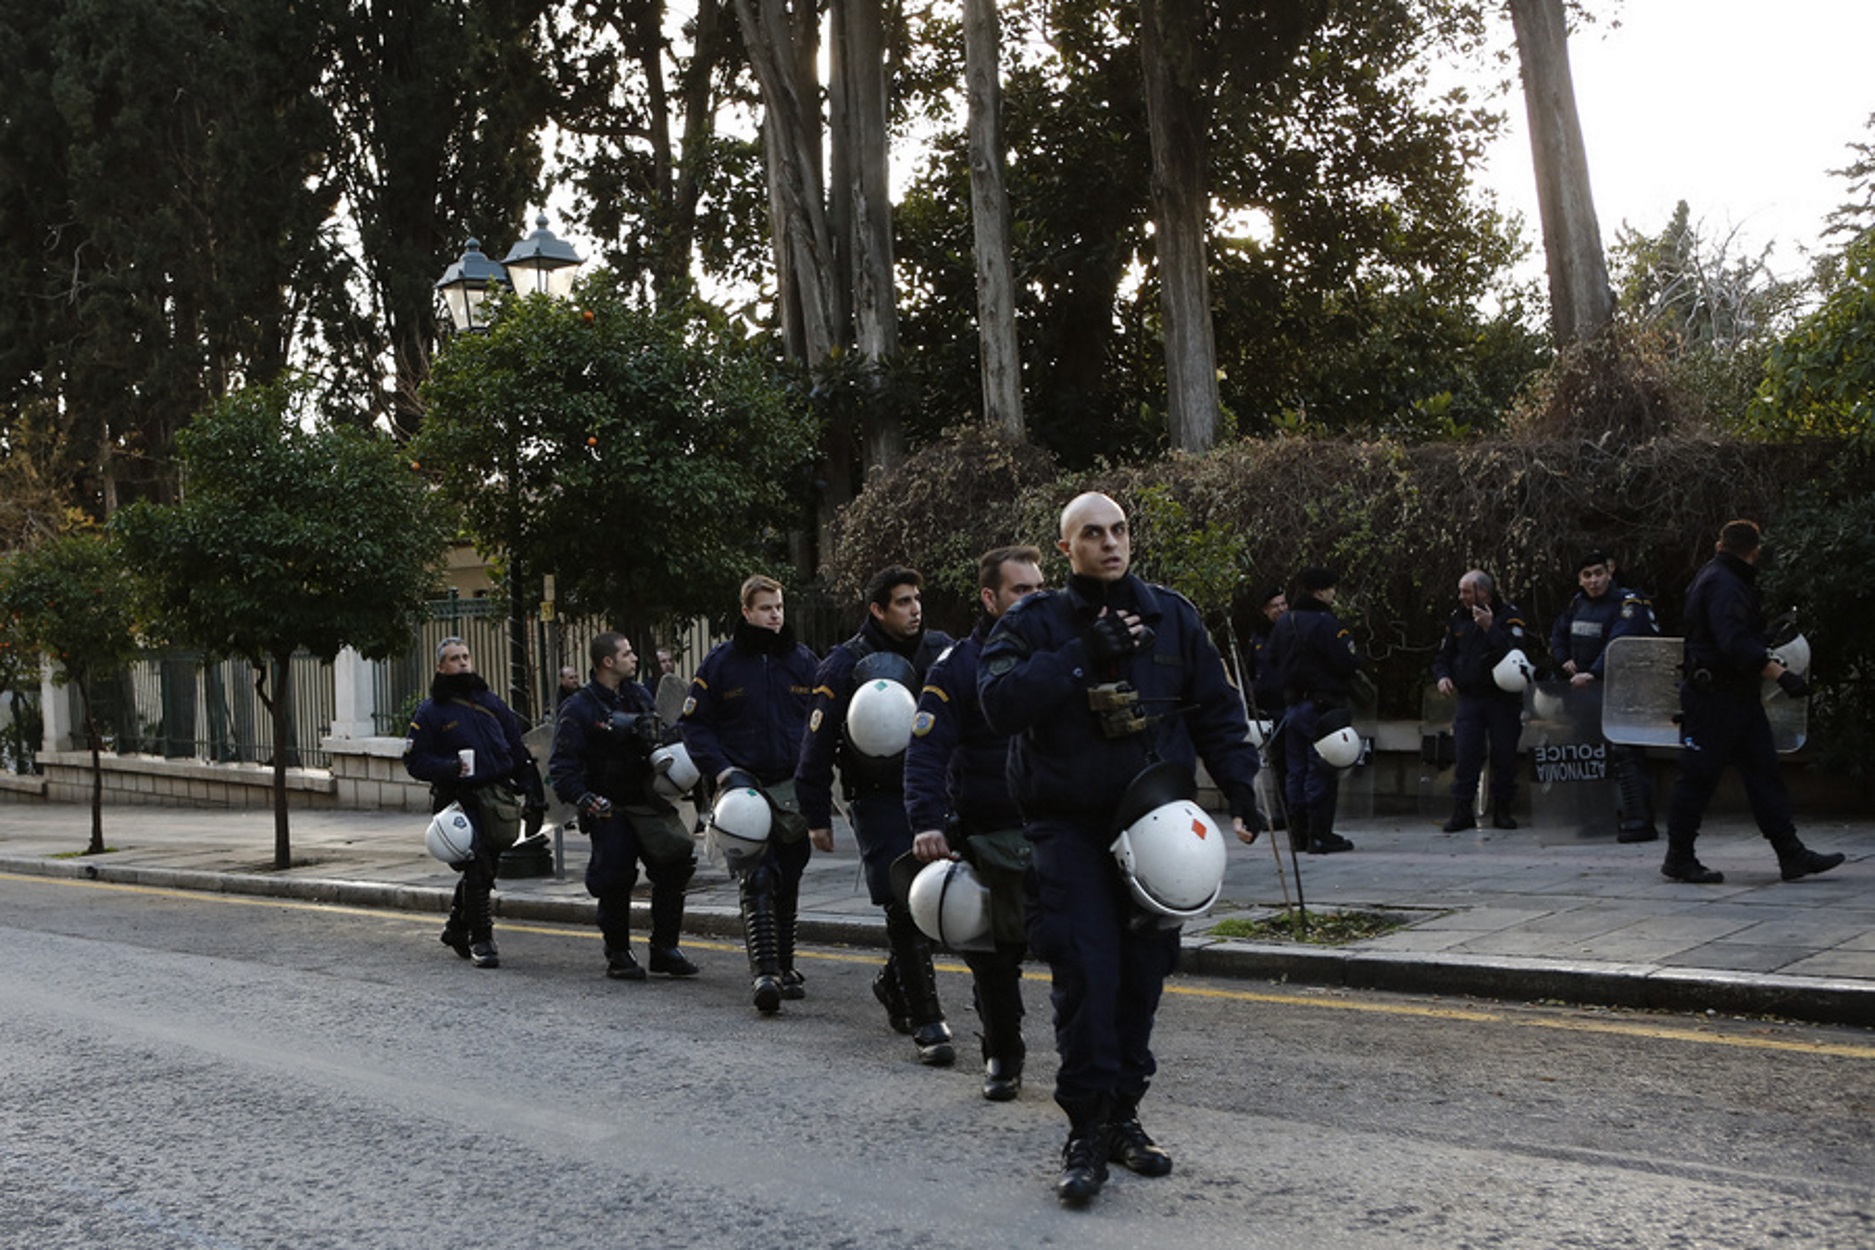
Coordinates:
column 1315, row 658
column 892, row 641
column 1481, row 631
column 1601, row 612
column 498, row 789
column 1723, row 723
column 742, row 723
column 1266, row 692
column 1047, row 671
column 601, row 764
column 957, row 799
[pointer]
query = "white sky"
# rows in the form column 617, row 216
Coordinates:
column 1738, row 107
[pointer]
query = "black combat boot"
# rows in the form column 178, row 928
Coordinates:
column 1084, row 1156
column 620, row 964
column 1298, row 829
column 787, row 904
column 1323, row 840
column 1796, row 860
column 886, row 989
column 1500, row 815
column 917, row 980
column 1680, row 864
column 1128, row 1144
column 455, row 930
column 758, row 929
column 479, row 912
column 1461, row 819
column 998, row 994
column 667, row 922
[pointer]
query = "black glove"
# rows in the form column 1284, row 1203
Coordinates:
column 1112, row 639
column 1792, row 685
column 598, row 806
column 644, row 726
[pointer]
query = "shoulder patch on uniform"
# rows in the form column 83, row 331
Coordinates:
column 1627, row 611
column 921, row 724
column 944, row 655
column 1000, row 664
column 813, row 722
column 690, row 705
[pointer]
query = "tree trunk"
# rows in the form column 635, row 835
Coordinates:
column 1172, row 34
column 1582, row 304
column 999, row 356
column 863, row 121
column 281, row 709
column 92, row 740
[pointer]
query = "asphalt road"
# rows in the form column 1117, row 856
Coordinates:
column 190, row 1070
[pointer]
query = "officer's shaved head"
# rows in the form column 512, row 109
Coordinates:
column 1094, row 537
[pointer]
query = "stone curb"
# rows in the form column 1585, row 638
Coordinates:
column 1816, row 1000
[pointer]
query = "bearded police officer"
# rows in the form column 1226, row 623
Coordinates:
column 957, row 798
column 1481, row 632
column 742, row 724
column 1723, row 722
column 892, row 648
column 1097, row 682
column 1602, row 611
column 466, row 743
column 601, row 764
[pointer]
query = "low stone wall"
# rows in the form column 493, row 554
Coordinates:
column 369, row 773
column 151, row 780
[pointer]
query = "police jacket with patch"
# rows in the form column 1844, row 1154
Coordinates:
column 1726, row 636
column 1314, row 655
column 590, row 756
column 748, row 704
column 824, row 742
column 463, row 713
column 1034, row 676
column 1584, row 630
column 1467, row 654
column 956, row 762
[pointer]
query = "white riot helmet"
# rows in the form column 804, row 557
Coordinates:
column 950, row 904
column 739, row 823
column 1170, row 851
column 878, row 718
column 1336, row 742
column 1513, row 672
column 675, row 775
column 1259, row 732
column 1794, row 655
column 450, row 837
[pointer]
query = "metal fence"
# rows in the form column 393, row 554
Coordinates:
column 174, row 704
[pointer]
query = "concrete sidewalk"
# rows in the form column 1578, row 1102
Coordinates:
column 1524, row 914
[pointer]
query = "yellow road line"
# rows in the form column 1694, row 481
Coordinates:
column 1318, row 1001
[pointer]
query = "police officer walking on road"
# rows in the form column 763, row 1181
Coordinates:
column 1315, row 659
column 601, row 764
column 1479, row 635
column 1099, row 682
column 1601, row 612
column 957, row 799
column 743, row 722
column 467, row 744
column 891, row 647
column 1723, row 722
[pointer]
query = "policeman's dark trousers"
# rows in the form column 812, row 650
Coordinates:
column 1311, row 783
column 1107, row 974
column 1719, row 732
column 772, row 885
column 997, row 991
column 1486, row 724
column 613, row 871
column 883, row 832
column 470, row 909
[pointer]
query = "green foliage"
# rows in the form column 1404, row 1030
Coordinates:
column 1820, row 380
column 290, row 536
column 1205, row 563
column 649, row 464
column 69, row 597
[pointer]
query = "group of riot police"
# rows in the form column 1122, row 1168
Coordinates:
column 1029, row 788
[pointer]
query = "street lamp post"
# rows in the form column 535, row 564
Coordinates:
column 540, row 263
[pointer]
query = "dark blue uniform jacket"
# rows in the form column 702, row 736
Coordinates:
column 1467, row 654
column 748, row 704
column 462, row 712
column 1725, row 630
column 823, row 743
column 1313, row 653
column 1033, row 679
column 590, row 757
column 1584, row 630
column 956, row 762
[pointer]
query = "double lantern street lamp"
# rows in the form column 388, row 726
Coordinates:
column 540, row 263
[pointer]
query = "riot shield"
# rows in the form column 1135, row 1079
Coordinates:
column 539, row 741
column 1573, row 795
column 672, row 690
column 1641, row 702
